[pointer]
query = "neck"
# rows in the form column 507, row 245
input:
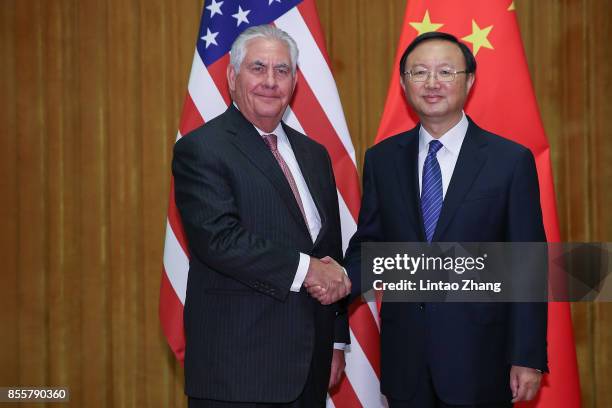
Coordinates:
column 267, row 126
column 437, row 127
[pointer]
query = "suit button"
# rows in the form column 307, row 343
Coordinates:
column 421, row 306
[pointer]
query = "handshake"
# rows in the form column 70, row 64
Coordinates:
column 326, row 280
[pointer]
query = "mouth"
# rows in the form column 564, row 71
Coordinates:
column 267, row 97
column 432, row 98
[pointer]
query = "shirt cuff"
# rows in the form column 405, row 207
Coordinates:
column 339, row 346
column 300, row 274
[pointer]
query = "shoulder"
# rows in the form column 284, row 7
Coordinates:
column 498, row 145
column 390, row 145
column 212, row 132
column 214, row 135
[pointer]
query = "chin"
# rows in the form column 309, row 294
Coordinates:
column 268, row 113
column 432, row 112
column 435, row 110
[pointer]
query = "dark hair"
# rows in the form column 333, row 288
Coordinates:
column 470, row 61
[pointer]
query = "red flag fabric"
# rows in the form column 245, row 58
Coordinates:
column 315, row 111
column 502, row 101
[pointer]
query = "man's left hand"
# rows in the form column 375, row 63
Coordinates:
column 524, row 383
column 337, row 367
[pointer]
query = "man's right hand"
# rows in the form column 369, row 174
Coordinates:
column 326, row 280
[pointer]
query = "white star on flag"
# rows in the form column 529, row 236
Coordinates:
column 272, row 1
column 210, row 37
column 241, row 16
column 215, row 8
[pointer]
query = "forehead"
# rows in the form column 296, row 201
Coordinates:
column 436, row 52
column 267, row 49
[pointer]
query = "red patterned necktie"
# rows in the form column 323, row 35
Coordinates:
column 271, row 141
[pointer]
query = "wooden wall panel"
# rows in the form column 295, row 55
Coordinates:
column 567, row 48
column 9, row 225
column 59, row 97
column 94, row 216
column 125, row 202
column 91, row 96
column 601, row 354
column 31, row 182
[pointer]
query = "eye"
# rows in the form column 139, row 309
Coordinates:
column 419, row 72
column 282, row 71
column 257, row 69
column 445, row 73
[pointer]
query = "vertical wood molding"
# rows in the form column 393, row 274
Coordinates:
column 31, row 187
column 9, row 237
column 96, row 348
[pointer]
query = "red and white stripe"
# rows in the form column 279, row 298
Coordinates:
column 316, row 111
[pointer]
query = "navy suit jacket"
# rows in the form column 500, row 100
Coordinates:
column 493, row 196
column 248, row 337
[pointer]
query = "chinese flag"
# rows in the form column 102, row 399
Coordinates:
column 502, row 101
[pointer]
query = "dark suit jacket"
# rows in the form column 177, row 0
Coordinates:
column 248, row 338
column 493, row 196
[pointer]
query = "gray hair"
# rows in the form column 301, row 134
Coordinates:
column 266, row 31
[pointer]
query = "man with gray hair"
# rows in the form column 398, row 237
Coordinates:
column 259, row 205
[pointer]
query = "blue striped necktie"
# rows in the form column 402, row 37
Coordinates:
column 431, row 196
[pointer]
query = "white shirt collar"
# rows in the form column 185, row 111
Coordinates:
column 281, row 136
column 451, row 140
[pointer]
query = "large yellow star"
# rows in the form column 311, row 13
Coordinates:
column 478, row 38
column 511, row 7
column 426, row 25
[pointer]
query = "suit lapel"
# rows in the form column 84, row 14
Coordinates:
column 245, row 137
column 469, row 163
column 406, row 164
column 311, row 170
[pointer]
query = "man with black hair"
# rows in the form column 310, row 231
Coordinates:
column 448, row 180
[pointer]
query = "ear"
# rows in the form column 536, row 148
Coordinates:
column 402, row 83
column 469, row 82
column 294, row 82
column 231, row 78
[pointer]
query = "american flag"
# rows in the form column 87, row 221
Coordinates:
column 315, row 111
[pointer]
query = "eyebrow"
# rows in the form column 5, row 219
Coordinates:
column 420, row 64
column 262, row 64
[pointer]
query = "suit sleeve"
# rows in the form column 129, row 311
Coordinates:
column 369, row 228
column 341, row 327
column 341, row 323
column 528, row 321
column 212, row 223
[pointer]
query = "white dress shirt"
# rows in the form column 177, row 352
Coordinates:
column 447, row 156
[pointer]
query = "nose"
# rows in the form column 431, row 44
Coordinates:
column 270, row 79
column 432, row 80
